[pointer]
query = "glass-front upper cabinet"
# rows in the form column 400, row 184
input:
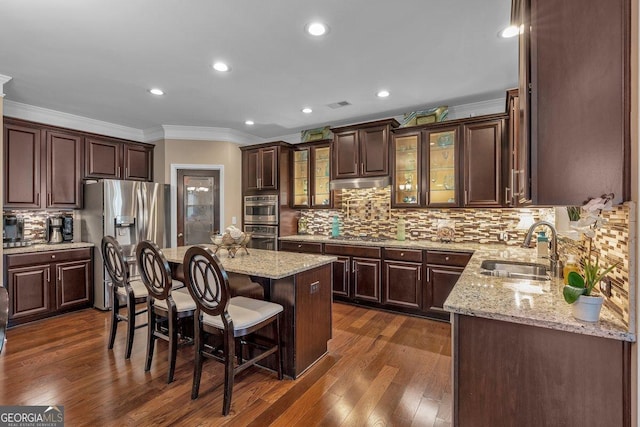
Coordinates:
column 321, row 174
column 405, row 190
column 442, row 188
column 301, row 178
column 311, row 175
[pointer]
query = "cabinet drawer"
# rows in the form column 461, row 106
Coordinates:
column 458, row 259
column 312, row 248
column 348, row 250
column 403, row 255
column 19, row 260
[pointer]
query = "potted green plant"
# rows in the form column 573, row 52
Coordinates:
column 578, row 292
column 574, row 214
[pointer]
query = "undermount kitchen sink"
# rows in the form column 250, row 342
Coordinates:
column 514, row 269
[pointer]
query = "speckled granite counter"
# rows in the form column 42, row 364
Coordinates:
column 262, row 263
column 44, row 247
column 533, row 303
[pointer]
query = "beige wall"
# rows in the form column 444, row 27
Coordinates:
column 170, row 152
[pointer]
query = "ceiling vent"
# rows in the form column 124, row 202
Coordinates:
column 339, row 104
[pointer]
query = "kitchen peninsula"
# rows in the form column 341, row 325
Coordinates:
column 301, row 283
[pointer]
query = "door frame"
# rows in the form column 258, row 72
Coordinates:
column 174, row 194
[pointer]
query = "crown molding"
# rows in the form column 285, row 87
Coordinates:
column 200, row 133
column 3, row 80
column 154, row 134
column 71, row 121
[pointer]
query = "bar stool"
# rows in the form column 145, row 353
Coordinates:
column 125, row 290
column 165, row 310
column 219, row 315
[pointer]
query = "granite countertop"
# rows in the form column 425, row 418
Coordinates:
column 530, row 302
column 536, row 303
column 259, row 262
column 44, row 247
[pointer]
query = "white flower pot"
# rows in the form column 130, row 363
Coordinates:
column 587, row 308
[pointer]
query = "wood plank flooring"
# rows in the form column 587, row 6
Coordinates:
column 382, row 369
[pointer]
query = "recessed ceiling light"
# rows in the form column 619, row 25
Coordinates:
column 221, row 66
column 511, row 31
column 383, row 94
column 249, row 122
column 307, row 110
column 317, row 29
column 156, row 91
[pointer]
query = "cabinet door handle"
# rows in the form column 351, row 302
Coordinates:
column 362, row 168
column 59, row 275
column 48, row 276
column 313, row 200
column 446, row 258
column 401, row 253
column 507, row 199
column 428, row 274
column 38, row 198
column 299, row 246
column 466, row 197
column 48, row 199
column 126, row 172
column 346, row 267
column 353, row 267
column 419, row 271
column 118, row 171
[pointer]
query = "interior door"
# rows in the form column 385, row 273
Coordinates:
column 198, row 204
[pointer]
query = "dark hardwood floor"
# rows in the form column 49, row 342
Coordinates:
column 382, row 369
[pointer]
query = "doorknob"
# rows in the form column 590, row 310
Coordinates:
column 180, row 234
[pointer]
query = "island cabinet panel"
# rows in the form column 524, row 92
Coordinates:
column 305, row 326
column 580, row 99
column 537, row 376
column 42, row 284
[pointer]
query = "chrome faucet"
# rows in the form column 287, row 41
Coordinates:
column 554, row 261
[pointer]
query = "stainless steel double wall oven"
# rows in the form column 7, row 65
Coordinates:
column 261, row 220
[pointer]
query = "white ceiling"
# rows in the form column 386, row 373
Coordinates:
column 97, row 59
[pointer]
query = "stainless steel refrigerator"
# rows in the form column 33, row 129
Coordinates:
column 131, row 211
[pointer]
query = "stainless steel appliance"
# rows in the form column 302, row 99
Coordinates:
column 128, row 210
column 263, row 236
column 67, row 228
column 12, row 231
column 261, row 209
column 54, row 229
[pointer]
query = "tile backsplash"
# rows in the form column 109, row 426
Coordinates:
column 368, row 211
column 35, row 223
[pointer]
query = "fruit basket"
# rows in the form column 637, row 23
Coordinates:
column 231, row 244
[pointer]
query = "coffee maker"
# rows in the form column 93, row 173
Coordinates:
column 54, row 229
column 12, row 231
column 67, row 228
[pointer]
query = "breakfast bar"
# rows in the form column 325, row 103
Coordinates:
column 301, row 283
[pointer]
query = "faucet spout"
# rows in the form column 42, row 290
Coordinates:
column 554, row 262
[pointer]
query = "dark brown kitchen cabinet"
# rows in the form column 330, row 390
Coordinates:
column 42, row 167
column 482, row 153
column 402, row 282
column 114, row 159
column 311, row 171
column 342, row 277
column 260, row 168
column 357, row 273
column 366, row 279
column 43, row 284
column 362, row 150
column 64, row 170
column 22, row 160
column 580, row 69
column 443, row 269
column 517, row 171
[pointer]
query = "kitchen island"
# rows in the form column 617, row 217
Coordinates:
column 521, row 359
column 301, row 283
